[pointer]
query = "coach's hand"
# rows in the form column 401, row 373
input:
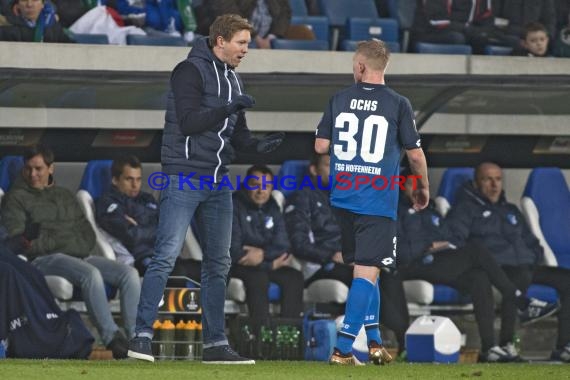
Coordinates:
column 239, row 103
column 270, row 142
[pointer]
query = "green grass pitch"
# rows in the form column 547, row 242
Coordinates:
column 272, row 370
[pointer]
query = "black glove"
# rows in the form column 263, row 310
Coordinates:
column 240, row 102
column 270, row 142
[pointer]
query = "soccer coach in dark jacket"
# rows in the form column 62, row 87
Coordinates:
column 204, row 121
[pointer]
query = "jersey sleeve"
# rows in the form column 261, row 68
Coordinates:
column 324, row 128
column 408, row 134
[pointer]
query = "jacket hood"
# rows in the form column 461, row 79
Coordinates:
column 201, row 49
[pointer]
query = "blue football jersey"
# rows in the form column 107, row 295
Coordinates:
column 368, row 125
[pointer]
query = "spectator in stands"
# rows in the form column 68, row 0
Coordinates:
column 51, row 230
column 32, row 21
column 534, row 42
column 464, row 22
column 562, row 39
column 315, row 238
column 128, row 214
column 69, row 11
column 156, row 17
column 512, row 16
column 482, row 213
column 425, row 253
column 270, row 19
column 260, row 249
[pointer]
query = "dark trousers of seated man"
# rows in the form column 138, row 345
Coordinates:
column 256, row 282
column 555, row 277
column 469, row 269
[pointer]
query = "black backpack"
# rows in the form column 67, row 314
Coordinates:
column 32, row 322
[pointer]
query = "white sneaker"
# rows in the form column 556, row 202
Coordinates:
column 495, row 355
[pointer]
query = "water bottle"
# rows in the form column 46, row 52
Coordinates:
column 198, row 341
column 184, row 340
column 167, row 337
column 266, row 342
column 156, row 326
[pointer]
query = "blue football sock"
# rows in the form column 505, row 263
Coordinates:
column 357, row 304
column 372, row 318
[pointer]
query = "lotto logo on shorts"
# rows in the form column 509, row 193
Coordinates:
column 388, row 261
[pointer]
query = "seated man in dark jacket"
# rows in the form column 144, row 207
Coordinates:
column 482, row 213
column 127, row 213
column 425, row 253
column 33, row 21
column 49, row 226
column 259, row 249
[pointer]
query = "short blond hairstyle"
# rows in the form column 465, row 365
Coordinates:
column 226, row 26
column 375, row 52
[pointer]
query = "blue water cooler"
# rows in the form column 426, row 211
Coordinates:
column 433, row 339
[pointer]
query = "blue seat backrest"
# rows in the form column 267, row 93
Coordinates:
column 338, row 11
column 94, row 39
column 10, row 168
column 295, row 170
column 426, row 48
column 96, row 178
column 318, row 24
column 360, row 28
column 350, row 45
column 133, row 39
column 277, row 43
column 298, row 8
column 548, row 189
column 498, row 50
column 451, row 182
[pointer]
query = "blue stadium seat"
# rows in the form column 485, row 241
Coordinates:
column 134, row 39
column 318, row 24
column 96, row 178
column 338, row 11
column 545, row 203
column 385, row 29
column 298, row 8
column 10, row 167
column 427, row 48
column 452, row 180
column 498, row 50
column 445, row 295
column 296, row 169
column 350, row 45
column 278, row 43
column 93, row 39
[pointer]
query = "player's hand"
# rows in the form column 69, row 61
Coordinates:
column 270, row 142
column 253, row 256
column 281, row 261
column 239, row 103
column 420, row 199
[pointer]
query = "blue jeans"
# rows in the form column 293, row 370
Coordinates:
column 90, row 274
column 213, row 211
